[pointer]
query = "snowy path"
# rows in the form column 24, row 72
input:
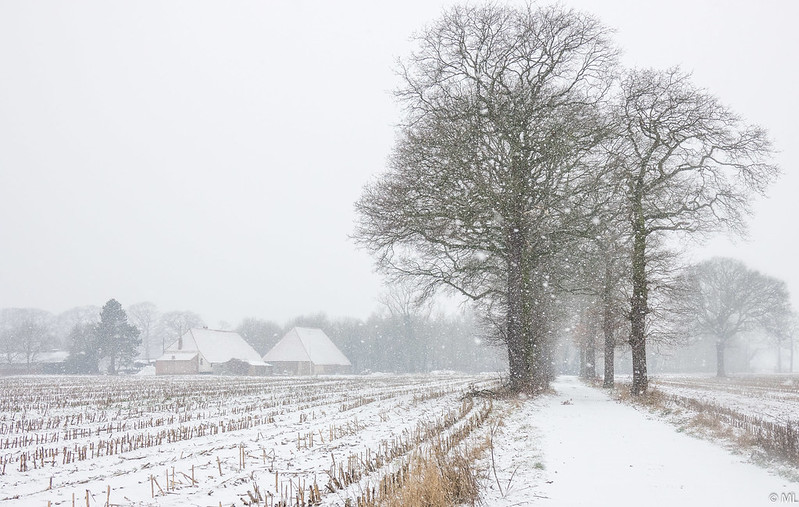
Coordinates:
column 595, row 451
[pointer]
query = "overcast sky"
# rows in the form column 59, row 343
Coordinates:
column 205, row 156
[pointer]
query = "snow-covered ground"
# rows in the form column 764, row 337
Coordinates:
column 580, row 447
column 771, row 397
column 205, row 440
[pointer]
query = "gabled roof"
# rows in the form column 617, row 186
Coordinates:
column 215, row 346
column 307, row 344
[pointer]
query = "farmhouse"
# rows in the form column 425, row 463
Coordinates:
column 307, row 351
column 210, row 351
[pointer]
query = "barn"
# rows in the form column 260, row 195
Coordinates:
column 307, row 351
column 202, row 350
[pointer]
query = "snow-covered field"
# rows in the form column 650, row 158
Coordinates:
column 220, row 440
column 770, row 396
column 207, row 441
column 761, row 411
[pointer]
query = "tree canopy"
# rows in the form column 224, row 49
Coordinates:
column 520, row 139
column 493, row 163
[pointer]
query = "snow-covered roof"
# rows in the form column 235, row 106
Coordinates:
column 215, row 346
column 307, row 344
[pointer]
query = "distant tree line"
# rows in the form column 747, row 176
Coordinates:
column 399, row 338
column 391, row 343
column 97, row 339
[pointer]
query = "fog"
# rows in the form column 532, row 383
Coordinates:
column 206, row 155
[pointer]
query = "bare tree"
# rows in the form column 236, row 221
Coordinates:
column 7, row 342
column 687, row 164
column 145, row 317
column 175, row 324
column 25, row 333
column 32, row 335
column 412, row 313
column 261, row 334
column 586, row 336
column 492, row 163
column 65, row 322
column 600, row 269
column 780, row 326
column 728, row 299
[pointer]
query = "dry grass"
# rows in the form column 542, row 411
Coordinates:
column 652, row 398
column 439, row 480
column 703, row 418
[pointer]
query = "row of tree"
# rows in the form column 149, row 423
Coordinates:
column 402, row 337
column 714, row 306
column 530, row 169
column 705, row 310
column 394, row 343
column 25, row 333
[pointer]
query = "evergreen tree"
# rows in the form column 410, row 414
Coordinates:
column 116, row 339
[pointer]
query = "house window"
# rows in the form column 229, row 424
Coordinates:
column 201, row 361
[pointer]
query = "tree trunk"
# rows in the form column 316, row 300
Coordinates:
column 545, row 372
column 582, row 361
column 720, row 346
column 517, row 360
column 607, row 331
column 590, row 358
column 640, row 378
column 528, row 350
column 536, row 320
column 638, row 308
column 791, row 356
column 779, row 356
column 610, row 368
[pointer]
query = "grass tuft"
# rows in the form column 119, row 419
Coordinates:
column 441, row 480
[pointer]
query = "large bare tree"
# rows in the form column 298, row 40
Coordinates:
column 687, row 164
column 491, row 164
column 727, row 298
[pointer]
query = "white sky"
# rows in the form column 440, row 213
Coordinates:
column 206, row 155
